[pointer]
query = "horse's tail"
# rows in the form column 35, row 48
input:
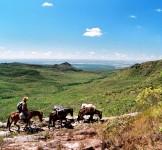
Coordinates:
column 8, row 122
column 72, row 112
column 50, row 120
column 79, row 118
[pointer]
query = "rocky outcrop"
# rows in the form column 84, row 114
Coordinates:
column 82, row 137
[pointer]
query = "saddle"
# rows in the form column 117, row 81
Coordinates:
column 22, row 115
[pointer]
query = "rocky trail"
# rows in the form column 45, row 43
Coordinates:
column 77, row 136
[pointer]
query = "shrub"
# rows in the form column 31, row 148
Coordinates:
column 149, row 97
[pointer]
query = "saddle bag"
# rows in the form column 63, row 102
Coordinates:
column 22, row 116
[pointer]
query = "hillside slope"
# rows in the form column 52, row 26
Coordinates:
column 41, row 83
column 114, row 92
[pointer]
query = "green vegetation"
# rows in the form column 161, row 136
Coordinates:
column 140, row 132
column 143, row 131
column 43, row 85
column 149, row 97
column 114, row 92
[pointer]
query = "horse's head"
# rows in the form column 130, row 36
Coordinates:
column 40, row 116
column 99, row 113
column 68, row 111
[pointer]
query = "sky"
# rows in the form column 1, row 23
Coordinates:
column 81, row 29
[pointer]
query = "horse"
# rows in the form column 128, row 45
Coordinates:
column 59, row 115
column 14, row 117
column 89, row 111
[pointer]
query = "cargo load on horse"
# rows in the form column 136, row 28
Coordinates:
column 85, row 105
column 88, row 109
column 58, row 108
column 59, row 113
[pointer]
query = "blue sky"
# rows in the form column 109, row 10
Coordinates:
column 81, row 29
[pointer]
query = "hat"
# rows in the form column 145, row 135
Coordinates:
column 25, row 98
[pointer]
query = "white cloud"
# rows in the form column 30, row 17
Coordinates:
column 2, row 47
column 133, row 17
column 93, row 32
column 48, row 53
column 91, row 53
column 34, row 52
column 147, row 57
column 158, row 10
column 120, row 55
column 77, row 52
column 104, row 54
column 47, row 4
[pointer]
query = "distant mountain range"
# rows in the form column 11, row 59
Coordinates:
column 57, row 67
column 80, row 64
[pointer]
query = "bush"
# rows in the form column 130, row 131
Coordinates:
column 149, row 97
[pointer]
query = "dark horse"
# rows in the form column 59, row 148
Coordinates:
column 14, row 117
column 59, row 115
column 89, row 111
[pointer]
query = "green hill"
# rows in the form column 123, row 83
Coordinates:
column 112, row 91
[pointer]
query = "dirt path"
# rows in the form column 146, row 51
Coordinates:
column 82, row 136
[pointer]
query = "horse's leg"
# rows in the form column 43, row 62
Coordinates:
column 15, row 123
column 29, row 124
column 54, row 122
column 91, row 117
column 79, row 117
column 26, row 124
column 61, row 122
column 30, row 128
column 9, row 125
column 49, row 122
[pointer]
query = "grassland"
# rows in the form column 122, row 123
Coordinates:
column 114, row 92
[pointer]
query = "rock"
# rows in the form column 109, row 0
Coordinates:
column 4, row 133
column 88, row 148
column 72, row 145
column 9, row 140
column 83, row 136
column 46, row 120
column 2, row 125
column 79, row 137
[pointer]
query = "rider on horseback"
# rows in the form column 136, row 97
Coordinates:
column 24, row 106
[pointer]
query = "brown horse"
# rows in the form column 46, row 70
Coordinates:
column 59, row 115
column 89, row 111
column 14, row 117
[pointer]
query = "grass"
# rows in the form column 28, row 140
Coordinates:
column 43, row 88
column 142, row 132
column 114, row 92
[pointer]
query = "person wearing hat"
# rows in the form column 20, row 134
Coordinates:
column 24, row 106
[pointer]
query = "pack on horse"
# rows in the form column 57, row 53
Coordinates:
column 59, row 115
column 89, row 111
column 14, row 117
